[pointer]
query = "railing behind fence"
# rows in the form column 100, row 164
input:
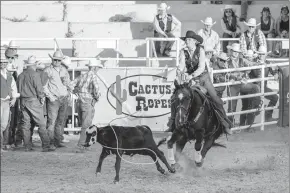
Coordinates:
column 148, row 58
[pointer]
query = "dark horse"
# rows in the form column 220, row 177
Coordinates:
column 196, row 118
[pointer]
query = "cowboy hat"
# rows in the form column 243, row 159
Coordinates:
column 208, row 21
column 235, row 47
column 262, row 50
column 12, row 44
column 57, row 55
column 9, row 53
column 250, row 53
column 163, row 6
column 228, row 7
column 31, row 61
column 193, row 35
column 223, row 56
column 94, row 63
column 252, row 22
column 66, row 61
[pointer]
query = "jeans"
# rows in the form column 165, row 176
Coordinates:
column 249, row 103
column 86, row 112
column 32, row 112
column 56, row 114
column 244, row 8
column 161, row 46
column 5, row 115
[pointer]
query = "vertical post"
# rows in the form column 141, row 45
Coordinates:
column 73, row 102
column 263, row 97
column 147, row 53
column 117, row 49
column 177, row 51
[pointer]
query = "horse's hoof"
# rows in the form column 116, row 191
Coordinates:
column 116, row 181
column 172, row 170
column 198, row 164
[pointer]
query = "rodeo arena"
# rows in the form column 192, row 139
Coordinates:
column 144, row 96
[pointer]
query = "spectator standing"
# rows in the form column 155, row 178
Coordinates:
column 210, row 38
column 86, row 87
column 267, row 26
column 165, row 25
column 31, row 100
column 8, row 98
column 230, row 25
column 54, row 78
column 252, row 38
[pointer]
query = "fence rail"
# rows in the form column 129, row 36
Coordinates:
column 178, row 46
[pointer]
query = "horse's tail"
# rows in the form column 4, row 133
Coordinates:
column 218, row 145
column 162, row 141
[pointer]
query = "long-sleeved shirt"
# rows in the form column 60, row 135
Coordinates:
column 86, row 86
column 201, row 65
column 14, row 91
column 210, row 40
column 260, row 37
column 29, row 84
column 55, row 82
column 176, row 23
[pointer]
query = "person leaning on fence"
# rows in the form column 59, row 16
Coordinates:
column 230, row 25
column 219, row 64
column 267, row 26
column 31, row 102
column 235, row 62
column 192, row 66
column 256, row 73
column 57, row 95
column 210, row 37
column 165, row 25
column 8, row 98
column 252, row 38
column 86, row 87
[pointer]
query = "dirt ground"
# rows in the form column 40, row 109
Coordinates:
column 252, row 162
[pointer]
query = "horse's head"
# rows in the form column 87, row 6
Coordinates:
column 183, row 99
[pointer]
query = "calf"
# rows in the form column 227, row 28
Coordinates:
column 129, row 138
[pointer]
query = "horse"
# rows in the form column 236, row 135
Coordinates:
column 196, row 118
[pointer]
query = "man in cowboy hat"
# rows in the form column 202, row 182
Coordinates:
column 31, row 100
column 256, row 73
column 236, row 61
column 219, row 64
column 210, row 37
column 55, row 79
column 165, row 25
column 192, row 66
column 86, row 87
column 252, row 38
column 8, row 97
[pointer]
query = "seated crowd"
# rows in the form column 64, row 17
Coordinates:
column 36, row 94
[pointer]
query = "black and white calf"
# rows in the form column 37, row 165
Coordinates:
column 128, row 138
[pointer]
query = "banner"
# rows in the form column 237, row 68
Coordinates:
column 133, row 97
column 284, row 97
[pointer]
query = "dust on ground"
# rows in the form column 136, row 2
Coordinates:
column 252, row 162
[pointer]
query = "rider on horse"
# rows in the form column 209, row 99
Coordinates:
column 192, row 67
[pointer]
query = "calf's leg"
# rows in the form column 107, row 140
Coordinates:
column 153, row 156
column 103, row 155
column 117, row 167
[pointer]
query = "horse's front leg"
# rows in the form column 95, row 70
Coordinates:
column 170, row 144
column 199, row 134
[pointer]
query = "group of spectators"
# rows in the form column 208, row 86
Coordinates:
column 38, row 94
column 166, row 25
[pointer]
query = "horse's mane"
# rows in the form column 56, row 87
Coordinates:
column 195, row 89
